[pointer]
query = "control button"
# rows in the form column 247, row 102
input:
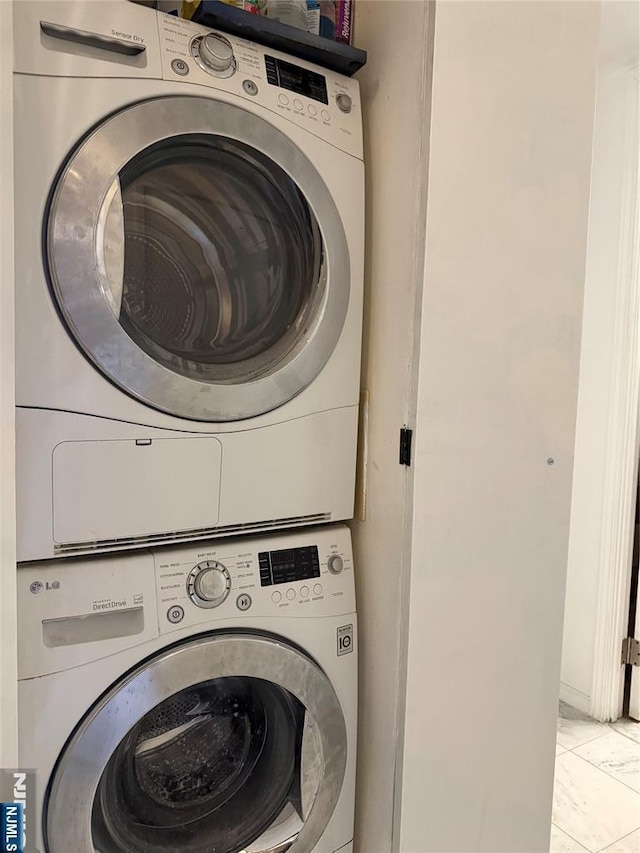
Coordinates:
column 208, row 584
column 216, row 53
column 325, row 115
column 284, row 100
column 243, row 602
column 291, row 594
column 276, row 597
column 180, row 67
column 344, row 103
column 297, row 104
column 304, row 591
column 250, row 87
column 175, row 614
column 335, row 564
column 317, row 589
column 313, row 110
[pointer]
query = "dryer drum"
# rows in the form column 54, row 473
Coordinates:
column 221, row 254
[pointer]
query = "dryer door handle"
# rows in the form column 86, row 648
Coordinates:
column 113, row 45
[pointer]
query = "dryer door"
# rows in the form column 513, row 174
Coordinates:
column 223, row 743
column 197, row 258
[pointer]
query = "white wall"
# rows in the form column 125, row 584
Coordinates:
column 8, row 637
column 615, row 168
column 395, row 93
column 509, row 174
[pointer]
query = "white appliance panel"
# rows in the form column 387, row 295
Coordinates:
column 62, row 681
column 290, row 466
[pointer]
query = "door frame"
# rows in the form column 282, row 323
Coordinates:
column 623, row 427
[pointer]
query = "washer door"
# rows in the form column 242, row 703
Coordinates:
column 198, row 258
column 225, row 743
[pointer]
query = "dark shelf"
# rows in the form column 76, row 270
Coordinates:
column 335, row 55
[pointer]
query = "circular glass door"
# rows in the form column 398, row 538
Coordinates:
column 251, row 761
column 210, row 768
column 198, row 259
column 222, row 258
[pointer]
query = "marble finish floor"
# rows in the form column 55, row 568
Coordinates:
column 596, row 798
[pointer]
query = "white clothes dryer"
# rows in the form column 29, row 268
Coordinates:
column 189, row 275
column 194, row 698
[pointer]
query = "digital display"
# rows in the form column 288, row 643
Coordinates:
column 292, row 564
column 296, row 79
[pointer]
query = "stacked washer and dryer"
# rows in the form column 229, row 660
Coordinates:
column 189, row 276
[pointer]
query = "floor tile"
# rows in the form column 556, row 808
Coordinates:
column 575, row 728
column 560, row 749
column 628, row 844
column 590, row 806
column 563, row 843
column 617, row 755
column 628, row 728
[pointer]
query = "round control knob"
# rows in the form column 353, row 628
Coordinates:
column 209, row 583
column 215, row 54
column 335, row 564
column 344, row 103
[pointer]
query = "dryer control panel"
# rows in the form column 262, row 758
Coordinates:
column 305, row 573
column 131, row 42
column 316, row 99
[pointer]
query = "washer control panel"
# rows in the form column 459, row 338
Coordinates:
column 78, row 610
column 314, row 98
column 293, row 574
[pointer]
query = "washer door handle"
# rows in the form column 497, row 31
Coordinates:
column 57, row 31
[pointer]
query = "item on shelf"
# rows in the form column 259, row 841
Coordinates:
column 327, row 19
column 336, row 19
column 344, row 20
column 188, row 9
column 254, row 7
column 290, row 12
column 313, row 17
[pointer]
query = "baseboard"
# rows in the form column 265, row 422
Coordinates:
column 575, row 698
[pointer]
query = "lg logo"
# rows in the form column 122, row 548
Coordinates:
column 345, row 640
column 37, row 586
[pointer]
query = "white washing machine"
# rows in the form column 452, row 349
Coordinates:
column 189, row 265
column 194, row 698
